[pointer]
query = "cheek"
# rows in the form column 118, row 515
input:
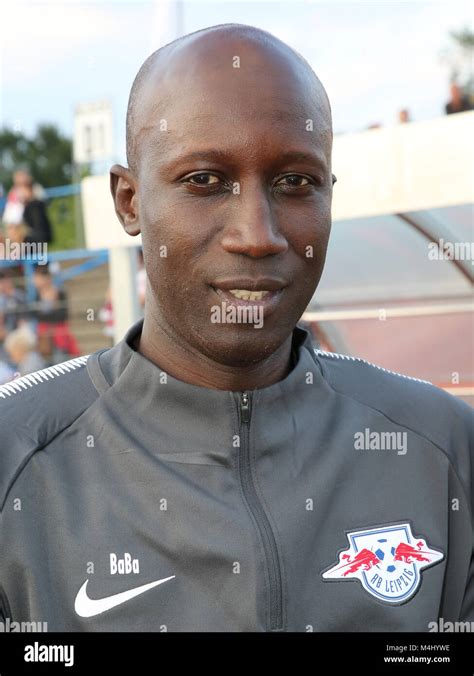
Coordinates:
column 172, row 242
column 183, row 224
column 309, row 238
column 163, row 224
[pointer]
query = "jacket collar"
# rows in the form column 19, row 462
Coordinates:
column 301, row 344
column 177, row 416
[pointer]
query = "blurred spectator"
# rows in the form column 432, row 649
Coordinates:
column 56, row 340
column 403, row 116
column 458, row 102
column 12, row 304
column 34, row 213
column 14, row 207
column 13, row 212
column 21, row 346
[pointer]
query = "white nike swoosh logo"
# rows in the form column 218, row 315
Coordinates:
column 87, row 607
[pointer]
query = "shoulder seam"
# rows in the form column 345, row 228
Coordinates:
column 335, row 355
column 22, row 465
column 27, row 381
column 417, row 432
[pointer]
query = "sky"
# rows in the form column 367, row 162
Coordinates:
column 374, row 58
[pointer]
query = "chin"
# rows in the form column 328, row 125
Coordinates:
column 242, row 346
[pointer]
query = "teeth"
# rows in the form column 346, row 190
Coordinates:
column 243, row 294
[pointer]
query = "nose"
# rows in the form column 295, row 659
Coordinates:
column 252, row 230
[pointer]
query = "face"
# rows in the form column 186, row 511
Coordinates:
column 21, row 178
column 234, row 195
column 23, row 185
column 403, row 116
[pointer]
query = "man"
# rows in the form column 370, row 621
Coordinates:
column 213, row 472
column 459, row 102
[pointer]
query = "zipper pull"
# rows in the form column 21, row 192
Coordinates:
column 244, row 407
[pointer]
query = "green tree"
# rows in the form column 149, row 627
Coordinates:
column 459, row 58
column 47, row 156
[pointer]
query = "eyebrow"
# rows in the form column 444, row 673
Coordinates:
column 289, row 156
column 303, row 156
column 213, row 154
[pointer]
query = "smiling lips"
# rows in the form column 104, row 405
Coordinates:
column 244, row 294
column 264, row 293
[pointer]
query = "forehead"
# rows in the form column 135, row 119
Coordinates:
column 231, row 93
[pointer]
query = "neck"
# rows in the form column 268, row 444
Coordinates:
column 168, row 351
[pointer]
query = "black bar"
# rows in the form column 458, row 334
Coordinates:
column 321, row 653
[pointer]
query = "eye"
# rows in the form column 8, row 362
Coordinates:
column 291, row 181
column 203, row 179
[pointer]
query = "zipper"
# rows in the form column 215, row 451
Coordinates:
column 263, row 524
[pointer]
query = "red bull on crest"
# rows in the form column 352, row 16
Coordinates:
column 387, row 561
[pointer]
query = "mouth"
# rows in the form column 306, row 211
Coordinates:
column 246, row 294
column 264, row 294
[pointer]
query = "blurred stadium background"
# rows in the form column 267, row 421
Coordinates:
column 397, row 287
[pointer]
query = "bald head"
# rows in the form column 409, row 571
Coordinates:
column 160, row 78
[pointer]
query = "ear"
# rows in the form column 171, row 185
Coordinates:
column 123, row 187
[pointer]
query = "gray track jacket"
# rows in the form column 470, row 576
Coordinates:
column 338, row 499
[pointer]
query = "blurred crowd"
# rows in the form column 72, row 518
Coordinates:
column 34, row 330
column 33, row 334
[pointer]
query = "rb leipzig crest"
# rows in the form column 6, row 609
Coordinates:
column 387, row 561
